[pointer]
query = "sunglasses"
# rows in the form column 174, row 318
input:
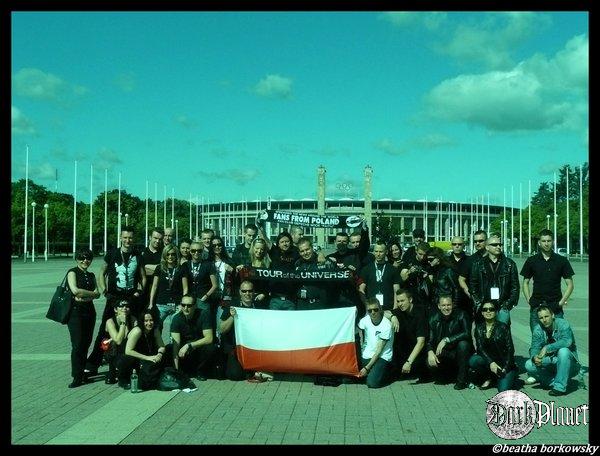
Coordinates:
column 195, row 250
column 187, row 305
column 372, row 310
column 495, row 244
column 246, row 291
column 457, row 243
column 488, row 309
column 84, row 259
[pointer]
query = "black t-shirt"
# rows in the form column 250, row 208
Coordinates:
column 149, row 257
column 457, row 264
column 170, row 286
column 123, row 270
column 546, row 276
column 146, row 344
column 285, row 261
column 84, row 279
column 199, row 277
column 381, row 282
column 191, row 330
column 241, row 254
column 412, row 325
column 467, row 265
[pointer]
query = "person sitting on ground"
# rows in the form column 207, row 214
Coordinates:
column 553, row 353
column 449, row 344
column 192, row 335
column 145, row 351
column 233, row 368
column 376, row 339
column 494, row 361
column 117, row 329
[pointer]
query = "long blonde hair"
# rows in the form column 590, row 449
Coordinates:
column 163, row 257
column 265, row 262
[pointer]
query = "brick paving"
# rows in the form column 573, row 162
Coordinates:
column 289, row 410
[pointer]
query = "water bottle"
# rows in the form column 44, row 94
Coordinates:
column 134, row 382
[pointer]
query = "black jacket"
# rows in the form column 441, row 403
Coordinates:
column 507, row 280
column 459, row 328
column 502, row 340
column 445, row 282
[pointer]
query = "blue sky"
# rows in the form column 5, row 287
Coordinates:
column 232, row 106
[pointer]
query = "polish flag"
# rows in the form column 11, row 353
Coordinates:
column 301, row 341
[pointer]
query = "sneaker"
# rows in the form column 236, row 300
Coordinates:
column 554, row 392
column 76, row 383
column 530, row 380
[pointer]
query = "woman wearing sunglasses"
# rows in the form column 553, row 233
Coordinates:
column 494, row 361
column 83, row 315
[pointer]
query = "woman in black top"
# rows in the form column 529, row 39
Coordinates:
column 83, row 315
column 169, row 284
column 117, row 328
column 494, row 360
column 145, row 350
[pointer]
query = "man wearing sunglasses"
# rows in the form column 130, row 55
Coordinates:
column 192, row 334
column 376, row 339
column 495, row 278
column 479, row 238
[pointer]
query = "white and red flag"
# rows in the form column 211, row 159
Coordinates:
column 301, row 341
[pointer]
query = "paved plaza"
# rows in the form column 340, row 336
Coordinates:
column 289, row 410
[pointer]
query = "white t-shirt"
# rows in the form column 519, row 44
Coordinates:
column 373, row 333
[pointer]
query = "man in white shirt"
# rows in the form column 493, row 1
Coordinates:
column 376, row 340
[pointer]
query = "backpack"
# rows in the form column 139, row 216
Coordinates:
column 172, row 379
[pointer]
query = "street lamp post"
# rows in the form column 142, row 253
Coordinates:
column 126, row 219
column 33, row 204
column 176, row 232
column 46, row 232
column 548, row 221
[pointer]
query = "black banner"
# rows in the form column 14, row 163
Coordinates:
column 310, row 220
column 278, row 275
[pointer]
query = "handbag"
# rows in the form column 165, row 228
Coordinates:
column 60, row 305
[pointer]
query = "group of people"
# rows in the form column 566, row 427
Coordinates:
column 421, row 313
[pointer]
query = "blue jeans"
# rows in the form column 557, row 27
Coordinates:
column 378, row 374
column 166, row 311
column 482, row 369
column 561, row 365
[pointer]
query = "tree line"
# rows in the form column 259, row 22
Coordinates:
column 60, row 215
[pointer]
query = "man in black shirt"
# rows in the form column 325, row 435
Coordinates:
column 344, row 258
column 546, row 268
column 121, row 277
column 150, row 259
column 418, row 236
column 458, row 258
column 479, row 238
column 192, row 334
column 379, row 279
column 410, row 325
column 241, row 254
column 449, row 344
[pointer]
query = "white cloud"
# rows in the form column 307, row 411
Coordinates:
column 238, row 176
column 185, row 121
column 548, row 168
column 274, row 86
column 20, row 125
column 433, row 141
column 402, row 19
column 125, row 81
column 492, row 40
column 526, row 97
column 44, row 171
column 390, row 148
column 107, row 159
column 36, row 84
